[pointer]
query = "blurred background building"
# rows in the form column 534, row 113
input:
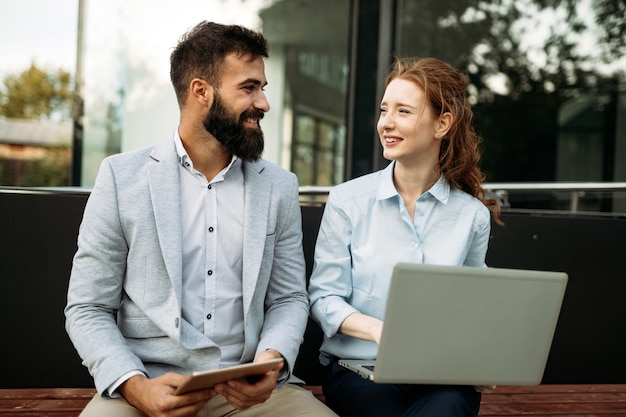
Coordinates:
column 547, row 84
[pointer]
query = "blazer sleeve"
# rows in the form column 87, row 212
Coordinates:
column 95, row 287
column 286, row 300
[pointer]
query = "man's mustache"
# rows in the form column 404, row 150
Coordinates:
column 252, row 114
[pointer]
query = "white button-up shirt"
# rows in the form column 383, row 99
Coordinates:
column 212, row 220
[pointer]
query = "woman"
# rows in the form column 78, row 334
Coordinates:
column 427, row 206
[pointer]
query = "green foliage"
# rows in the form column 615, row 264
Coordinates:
column 37, row 95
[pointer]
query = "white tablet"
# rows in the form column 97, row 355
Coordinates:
column 207, row 379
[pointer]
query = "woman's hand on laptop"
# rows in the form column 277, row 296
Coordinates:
column 363, row 327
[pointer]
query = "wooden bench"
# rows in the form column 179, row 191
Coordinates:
column 555, row 401
column 585, row 374
column 544, row 400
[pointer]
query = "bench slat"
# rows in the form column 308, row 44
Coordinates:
column 53, row 402
column 504, row 401
column 555, row 401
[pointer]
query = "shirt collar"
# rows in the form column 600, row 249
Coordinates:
column 386, row 188
column 441, row 189
column 186, row 162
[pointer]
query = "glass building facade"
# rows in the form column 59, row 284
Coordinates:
column 547, row 80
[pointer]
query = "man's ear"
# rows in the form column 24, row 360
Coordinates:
column 201, row 92
column 443, row 125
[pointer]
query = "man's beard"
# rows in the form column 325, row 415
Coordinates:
column 246, row 143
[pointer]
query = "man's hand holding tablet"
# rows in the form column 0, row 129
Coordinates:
column 207, row 379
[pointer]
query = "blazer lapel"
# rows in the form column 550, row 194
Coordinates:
column 165, row 196
column 256, row 206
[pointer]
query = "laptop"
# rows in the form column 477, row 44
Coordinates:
column 466, row 326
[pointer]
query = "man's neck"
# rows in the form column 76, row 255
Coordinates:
column 208, row 155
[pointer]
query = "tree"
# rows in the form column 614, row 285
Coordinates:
column 539, row 69
column 37, row 94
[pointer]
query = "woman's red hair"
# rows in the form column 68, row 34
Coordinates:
column 445, row 91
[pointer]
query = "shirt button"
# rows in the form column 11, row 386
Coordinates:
column 417, row 245
column 209, row 316
column 211, row 229
column 209, row 272
column 209, row 186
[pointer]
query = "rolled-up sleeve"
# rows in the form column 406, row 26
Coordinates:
column 331, row 280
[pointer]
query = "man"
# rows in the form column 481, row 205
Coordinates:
column 190, row 252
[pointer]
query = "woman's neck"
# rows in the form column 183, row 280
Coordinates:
column 412, row 183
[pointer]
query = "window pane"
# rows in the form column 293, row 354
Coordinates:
column 129, row 102
column 547, row 81
column 37, row 68
column 314, row 44
column 304, row 149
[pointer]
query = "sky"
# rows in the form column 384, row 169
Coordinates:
column 39, row 30
column 46, row 30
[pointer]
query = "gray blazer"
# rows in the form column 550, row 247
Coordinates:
column 123, row 308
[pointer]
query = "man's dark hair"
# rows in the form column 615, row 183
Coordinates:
column 201, row 51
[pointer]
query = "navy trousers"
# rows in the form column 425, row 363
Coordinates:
column 350, row 395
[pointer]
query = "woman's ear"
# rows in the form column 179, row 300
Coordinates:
column 443, row 125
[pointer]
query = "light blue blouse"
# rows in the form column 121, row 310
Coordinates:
column 366, row 230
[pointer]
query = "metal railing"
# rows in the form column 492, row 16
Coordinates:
column 573, row 191
column 507, row 193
